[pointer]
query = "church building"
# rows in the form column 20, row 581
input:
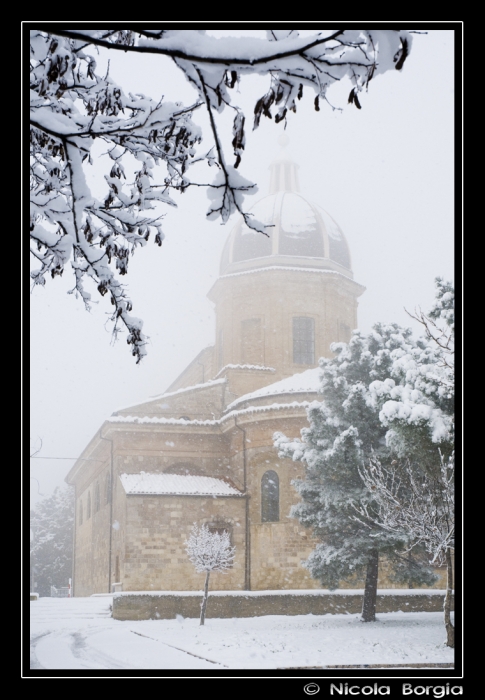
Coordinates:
column 202, row 452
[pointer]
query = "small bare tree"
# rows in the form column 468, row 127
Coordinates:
column 209, row 551
column 420, row 506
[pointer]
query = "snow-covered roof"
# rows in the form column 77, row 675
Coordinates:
column 194, row 387
column 204, row 385
column 176, row 484
column 301, row 383
column 261, row 368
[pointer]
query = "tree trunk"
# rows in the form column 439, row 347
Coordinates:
column 370, row 592
column 450, row 630
column 203, row 605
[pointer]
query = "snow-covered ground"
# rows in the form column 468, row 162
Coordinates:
column 79, row 633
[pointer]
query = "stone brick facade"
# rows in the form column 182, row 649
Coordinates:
column 210, row 423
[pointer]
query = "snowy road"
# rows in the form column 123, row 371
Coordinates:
column 79, row 633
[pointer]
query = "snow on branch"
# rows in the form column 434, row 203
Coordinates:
column 209, row 551
column 419, row 392
column 439, row 323
column 416, row 504
column 150, row 144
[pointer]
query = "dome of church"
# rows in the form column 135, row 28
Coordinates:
column 301, row 233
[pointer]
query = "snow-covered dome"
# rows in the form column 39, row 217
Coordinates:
column 301, row 233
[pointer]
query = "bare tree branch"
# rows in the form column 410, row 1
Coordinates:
column 73, row 106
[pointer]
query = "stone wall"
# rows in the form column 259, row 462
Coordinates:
column 91, row 561
column 165, row 607
column 156, row 530
column 329, row 299
column 156, row 448
column 147, row 532
column 277, row 548
column 201, row 403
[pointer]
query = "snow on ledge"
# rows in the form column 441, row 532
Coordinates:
column 261, row 368
column 162, row 421
column 215, row 422
column 263, row 409
column 176, row 484
column 288, row 268
column 101, row 595
column 302, row 592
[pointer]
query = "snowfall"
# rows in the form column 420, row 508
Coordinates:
column 79, row 633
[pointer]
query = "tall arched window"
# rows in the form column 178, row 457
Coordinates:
column 270, row 497
column 80, row 512
column 107, row 488
column 97, row 498
column 88, row 509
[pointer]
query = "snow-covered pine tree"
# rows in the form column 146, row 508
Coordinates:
column 417, row 400
column 345, row 431
column 51, row 529
column 209, row 551
column 417, row 409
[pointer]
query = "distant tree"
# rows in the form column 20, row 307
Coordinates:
column 34, row 451
column 344, row 432
column 51, row 527
column 209, row 551
column 150, row 144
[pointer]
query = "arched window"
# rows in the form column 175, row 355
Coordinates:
column 88, row 509
column 97, row 498
column 107, row 488
column 80, row 512
column 303, row 340
column 270, row 497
